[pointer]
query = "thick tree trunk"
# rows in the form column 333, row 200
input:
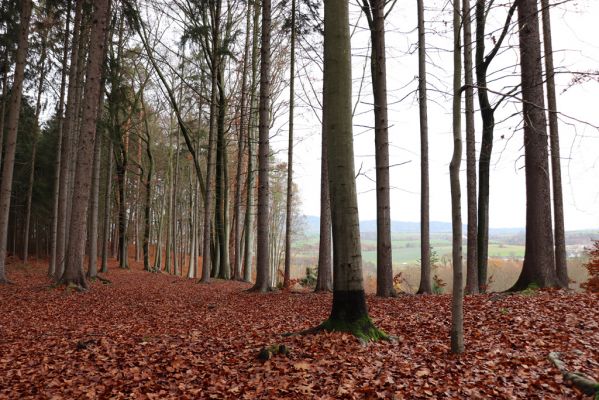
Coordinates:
column 148, row 193
column 425, row 245
column 561, row 265
column 12, row 126
column 73, row 273
column 349, row 312
column 457, row 298
column 288, row 221
column 471, row 261
column 262, row 260
column 5, row 70
column 67, row 143
column 539, row 256
column 222, row 183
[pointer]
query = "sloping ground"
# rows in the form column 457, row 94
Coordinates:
column 158, row 336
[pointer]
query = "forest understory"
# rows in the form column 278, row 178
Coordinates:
column 153, row 336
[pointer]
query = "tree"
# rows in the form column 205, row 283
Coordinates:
column 375, row 15
column 324, row 278
column 457, row 298
column 262, row 259
column 12, row 125
column 471, row 261
column 561, row 265
column 425, row 245
column 73, row 273
column 487, row 112
column 539, row 256
column 287, row 274
column 349, row 312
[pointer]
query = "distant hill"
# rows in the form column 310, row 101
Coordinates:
column 312, row 225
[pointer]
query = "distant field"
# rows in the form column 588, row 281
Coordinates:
column 406, row 248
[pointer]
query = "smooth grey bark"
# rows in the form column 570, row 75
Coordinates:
column 73, row 273
column 561, row 264
column 324, row 278
column 539, row 256
column 487, row 113
column 457, row 298
column 288, row 215
column 249, row 213
column 375, row 15
column 262, row 257
column 471, row 258
column 349, row 311
column 12, row 126
column 425, row 240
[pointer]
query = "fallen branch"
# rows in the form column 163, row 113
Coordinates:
column 586, row 384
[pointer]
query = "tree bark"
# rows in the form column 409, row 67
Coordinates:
column 539, row 256
column 107, row 209
column 457, row 298
column 61, row 134
column 288, row 220
column 73, row 273
column 324, row 278
column 12, row 126
column 471, row 260
column 92, row 270
column 262, row 260
column 425, row 244
column 349, row 311
column 561, row 265
column 67, row 143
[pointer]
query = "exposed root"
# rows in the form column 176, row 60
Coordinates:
column 5, row 281
column 586, row 384
column 363, row 329
column 103, row 280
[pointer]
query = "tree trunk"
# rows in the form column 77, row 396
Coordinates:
column 38, row 104
column 561, row 265
column 107, row 209
column 539, row 257
column 148, row 194
column 222, row 181
column 12, row 126
column 378, row 65
column 211, row 159
column 471, row 261
column 288, row 222
column 73, row 273
column 457, row 298
column 349, row 312
column 262, row 260
column 61, row 134
column 324, row 278
column 92, row 270
column 425, row 244
column 67, row 143
column 249, row 213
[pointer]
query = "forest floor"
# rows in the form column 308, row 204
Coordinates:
column 158, row 336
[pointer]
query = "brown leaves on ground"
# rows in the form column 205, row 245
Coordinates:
column 154, row 336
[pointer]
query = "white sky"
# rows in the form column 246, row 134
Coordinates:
column 575, row 30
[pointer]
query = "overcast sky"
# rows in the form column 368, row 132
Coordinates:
column 575, row 33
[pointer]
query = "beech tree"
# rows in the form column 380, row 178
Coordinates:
column 349, row 312
column 539, row 256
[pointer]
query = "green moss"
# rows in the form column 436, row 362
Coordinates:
column 531, row 289
column 363, row 328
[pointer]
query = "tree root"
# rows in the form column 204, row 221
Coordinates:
column 103, row 280
column 586, row 384
column 363, row 329
column 5, row 281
